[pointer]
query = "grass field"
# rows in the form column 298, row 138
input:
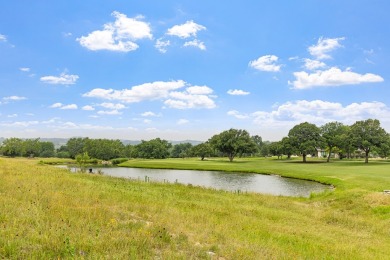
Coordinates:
column 47, row 212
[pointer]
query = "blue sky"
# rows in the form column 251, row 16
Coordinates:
column 190, row 69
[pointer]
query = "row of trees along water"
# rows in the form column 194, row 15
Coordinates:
column 362, row 139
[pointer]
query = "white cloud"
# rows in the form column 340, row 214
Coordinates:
column 314, row 64
column 332, row 77
column 237, row 114
column 118, row 36
column 113, row 106
column 319, row 112
column 186, row 30
column 3, row 38
column 199, row 90
column 149, row 113
column 109, row 112
column 192, row 97
column 64, row 107
column 63, row 79
column 182, row 121
column 162, row 45
column 195, row 43
column 324, row 46
column 20, row 124
column 147, row 121
column 237, row 92
column 147, row 91
column 24, row 69
column 88, row 108
column 56, row 105
column 69, row 107
column 14, row 98
column 13, row 115
column 266, row 63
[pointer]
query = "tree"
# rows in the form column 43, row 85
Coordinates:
column 367, row 134
column 153, row 149
column 12, row 147
column 202, row 150
column 258, row 141
column 384, row 148
column 181, row 150
column 47, row 149
column 104, row 149
column 287, row 147
column 232, row 142
column 75, row 146
column 276, row 149
column 332, row 134
column 31, row 147
column 82, row 160
column 305, row 138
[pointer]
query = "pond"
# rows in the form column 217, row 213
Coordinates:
column 235, row 182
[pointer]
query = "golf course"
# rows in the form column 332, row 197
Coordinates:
column 48, row 212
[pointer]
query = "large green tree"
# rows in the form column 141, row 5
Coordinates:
column 367, row 134
column 104, row 149
column 276, row 149
column 76, row 146
column 332, row 134
column 202, row 150
column 305, row 138
column 153, row 149
column 12, row 147
column 181, row 150
column 232, row 142
column 31, row 147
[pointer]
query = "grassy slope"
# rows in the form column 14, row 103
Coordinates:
column 46, row 212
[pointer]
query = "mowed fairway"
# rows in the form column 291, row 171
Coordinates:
column 46, row 212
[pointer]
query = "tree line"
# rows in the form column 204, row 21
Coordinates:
column 363, row 138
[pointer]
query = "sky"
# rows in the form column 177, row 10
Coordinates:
column 186, row 70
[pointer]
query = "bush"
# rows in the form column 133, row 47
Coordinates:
column 118, row 160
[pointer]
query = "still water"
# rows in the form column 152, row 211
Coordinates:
column 243, row 182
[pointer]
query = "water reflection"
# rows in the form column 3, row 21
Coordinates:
column 243, row 182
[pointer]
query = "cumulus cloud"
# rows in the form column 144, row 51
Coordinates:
column 237, row 114
column 88, row 108
column 195, row 43
column 162, row 45
column 149, row 113
column 147, row 91
column 190, row 28
column 113, row 106
column 3, row 38
column 319, row 112
column 109, row 112
column 324, row 46
column 266, row 63
column 237, row 92
column 63, row 79
column 120, row 35
column 314, row 64
column 64, row 107
column 191, row 97
column 69, row 107
column 332, row 77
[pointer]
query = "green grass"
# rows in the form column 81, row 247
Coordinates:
column 46, row 212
